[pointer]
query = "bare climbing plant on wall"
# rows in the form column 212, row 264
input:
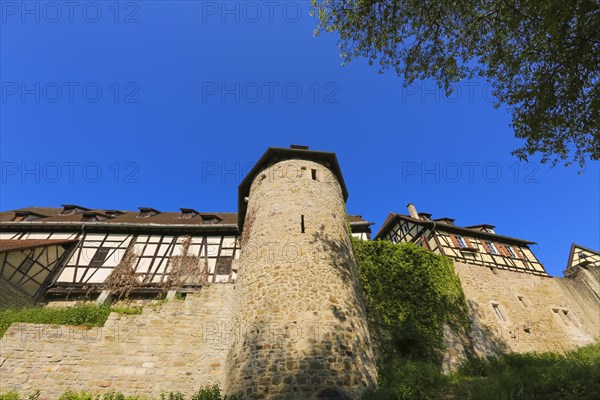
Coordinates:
column 186, row 269
column 123, row 278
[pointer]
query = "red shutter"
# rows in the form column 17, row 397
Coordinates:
column 469, row 245
column 503, row 250
column 454, row 241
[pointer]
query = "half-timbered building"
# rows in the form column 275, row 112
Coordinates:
column 87, row 244
column 478, row 244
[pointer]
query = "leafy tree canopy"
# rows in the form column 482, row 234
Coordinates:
column 541, row 58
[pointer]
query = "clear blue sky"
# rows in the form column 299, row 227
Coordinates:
column 167, row 105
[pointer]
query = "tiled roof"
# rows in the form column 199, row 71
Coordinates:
column 52, row 215
column 11, row 245
column 392, row 217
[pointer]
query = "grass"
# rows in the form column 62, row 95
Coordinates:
column 84, row 315
column 574, row 375
column 549, row 376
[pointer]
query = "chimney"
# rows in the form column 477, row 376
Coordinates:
column 412, row 211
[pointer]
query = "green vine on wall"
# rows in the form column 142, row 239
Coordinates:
column 410, row 294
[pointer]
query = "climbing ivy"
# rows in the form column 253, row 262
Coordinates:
column 410, row 293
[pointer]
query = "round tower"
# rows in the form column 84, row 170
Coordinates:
column 300, row 322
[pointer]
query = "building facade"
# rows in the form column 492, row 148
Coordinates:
column 273, row 306
column 515, row 305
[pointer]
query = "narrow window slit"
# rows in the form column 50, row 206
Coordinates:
column 302, row 223
column 498, row 312
column 314, row 174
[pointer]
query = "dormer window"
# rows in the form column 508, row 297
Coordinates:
column 146, row 212
column 69, row 209
column 210, row 219
column 89, row 217
column 424, row 216
column 188, row 213
column 113, row 213
column 25, row 216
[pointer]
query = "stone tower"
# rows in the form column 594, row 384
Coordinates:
column 299, row 317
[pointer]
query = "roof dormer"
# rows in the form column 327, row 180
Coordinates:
column 113, row 213
column 210, row 219
column 146, row 212
column 70, row 209
column 93, row 216
column 26, row 216
column 188, row 213
column 482, row 228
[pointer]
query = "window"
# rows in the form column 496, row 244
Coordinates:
column 395, row 238
column 26, row 265
column 522, row 301
column 99, row 257
column 313, row 174
column 461, row 242
column 564, row 316
column 223, row 266
column 302, row 223
column 511, row 251
column 492, row 248
column 499, row 314
column 89, row 217
column 405, row 228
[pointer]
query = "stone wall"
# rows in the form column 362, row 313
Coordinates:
column 519, row 312
column 10, row 296
column 175, row 346
column 298, row 301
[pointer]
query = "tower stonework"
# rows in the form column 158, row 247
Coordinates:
column 299, row 319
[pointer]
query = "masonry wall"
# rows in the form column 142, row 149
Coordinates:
column 520, row 312
column 297, row 298
column 11, row 296
column 177, row 346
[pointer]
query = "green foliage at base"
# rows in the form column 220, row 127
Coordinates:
column 410, row 293
column 84, row 315
column 549, row 376
column 574, row 376
column 206, row 393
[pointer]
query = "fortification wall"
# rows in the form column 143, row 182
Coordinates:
column 297, row 290
column 178, row 346
column 518, row 312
